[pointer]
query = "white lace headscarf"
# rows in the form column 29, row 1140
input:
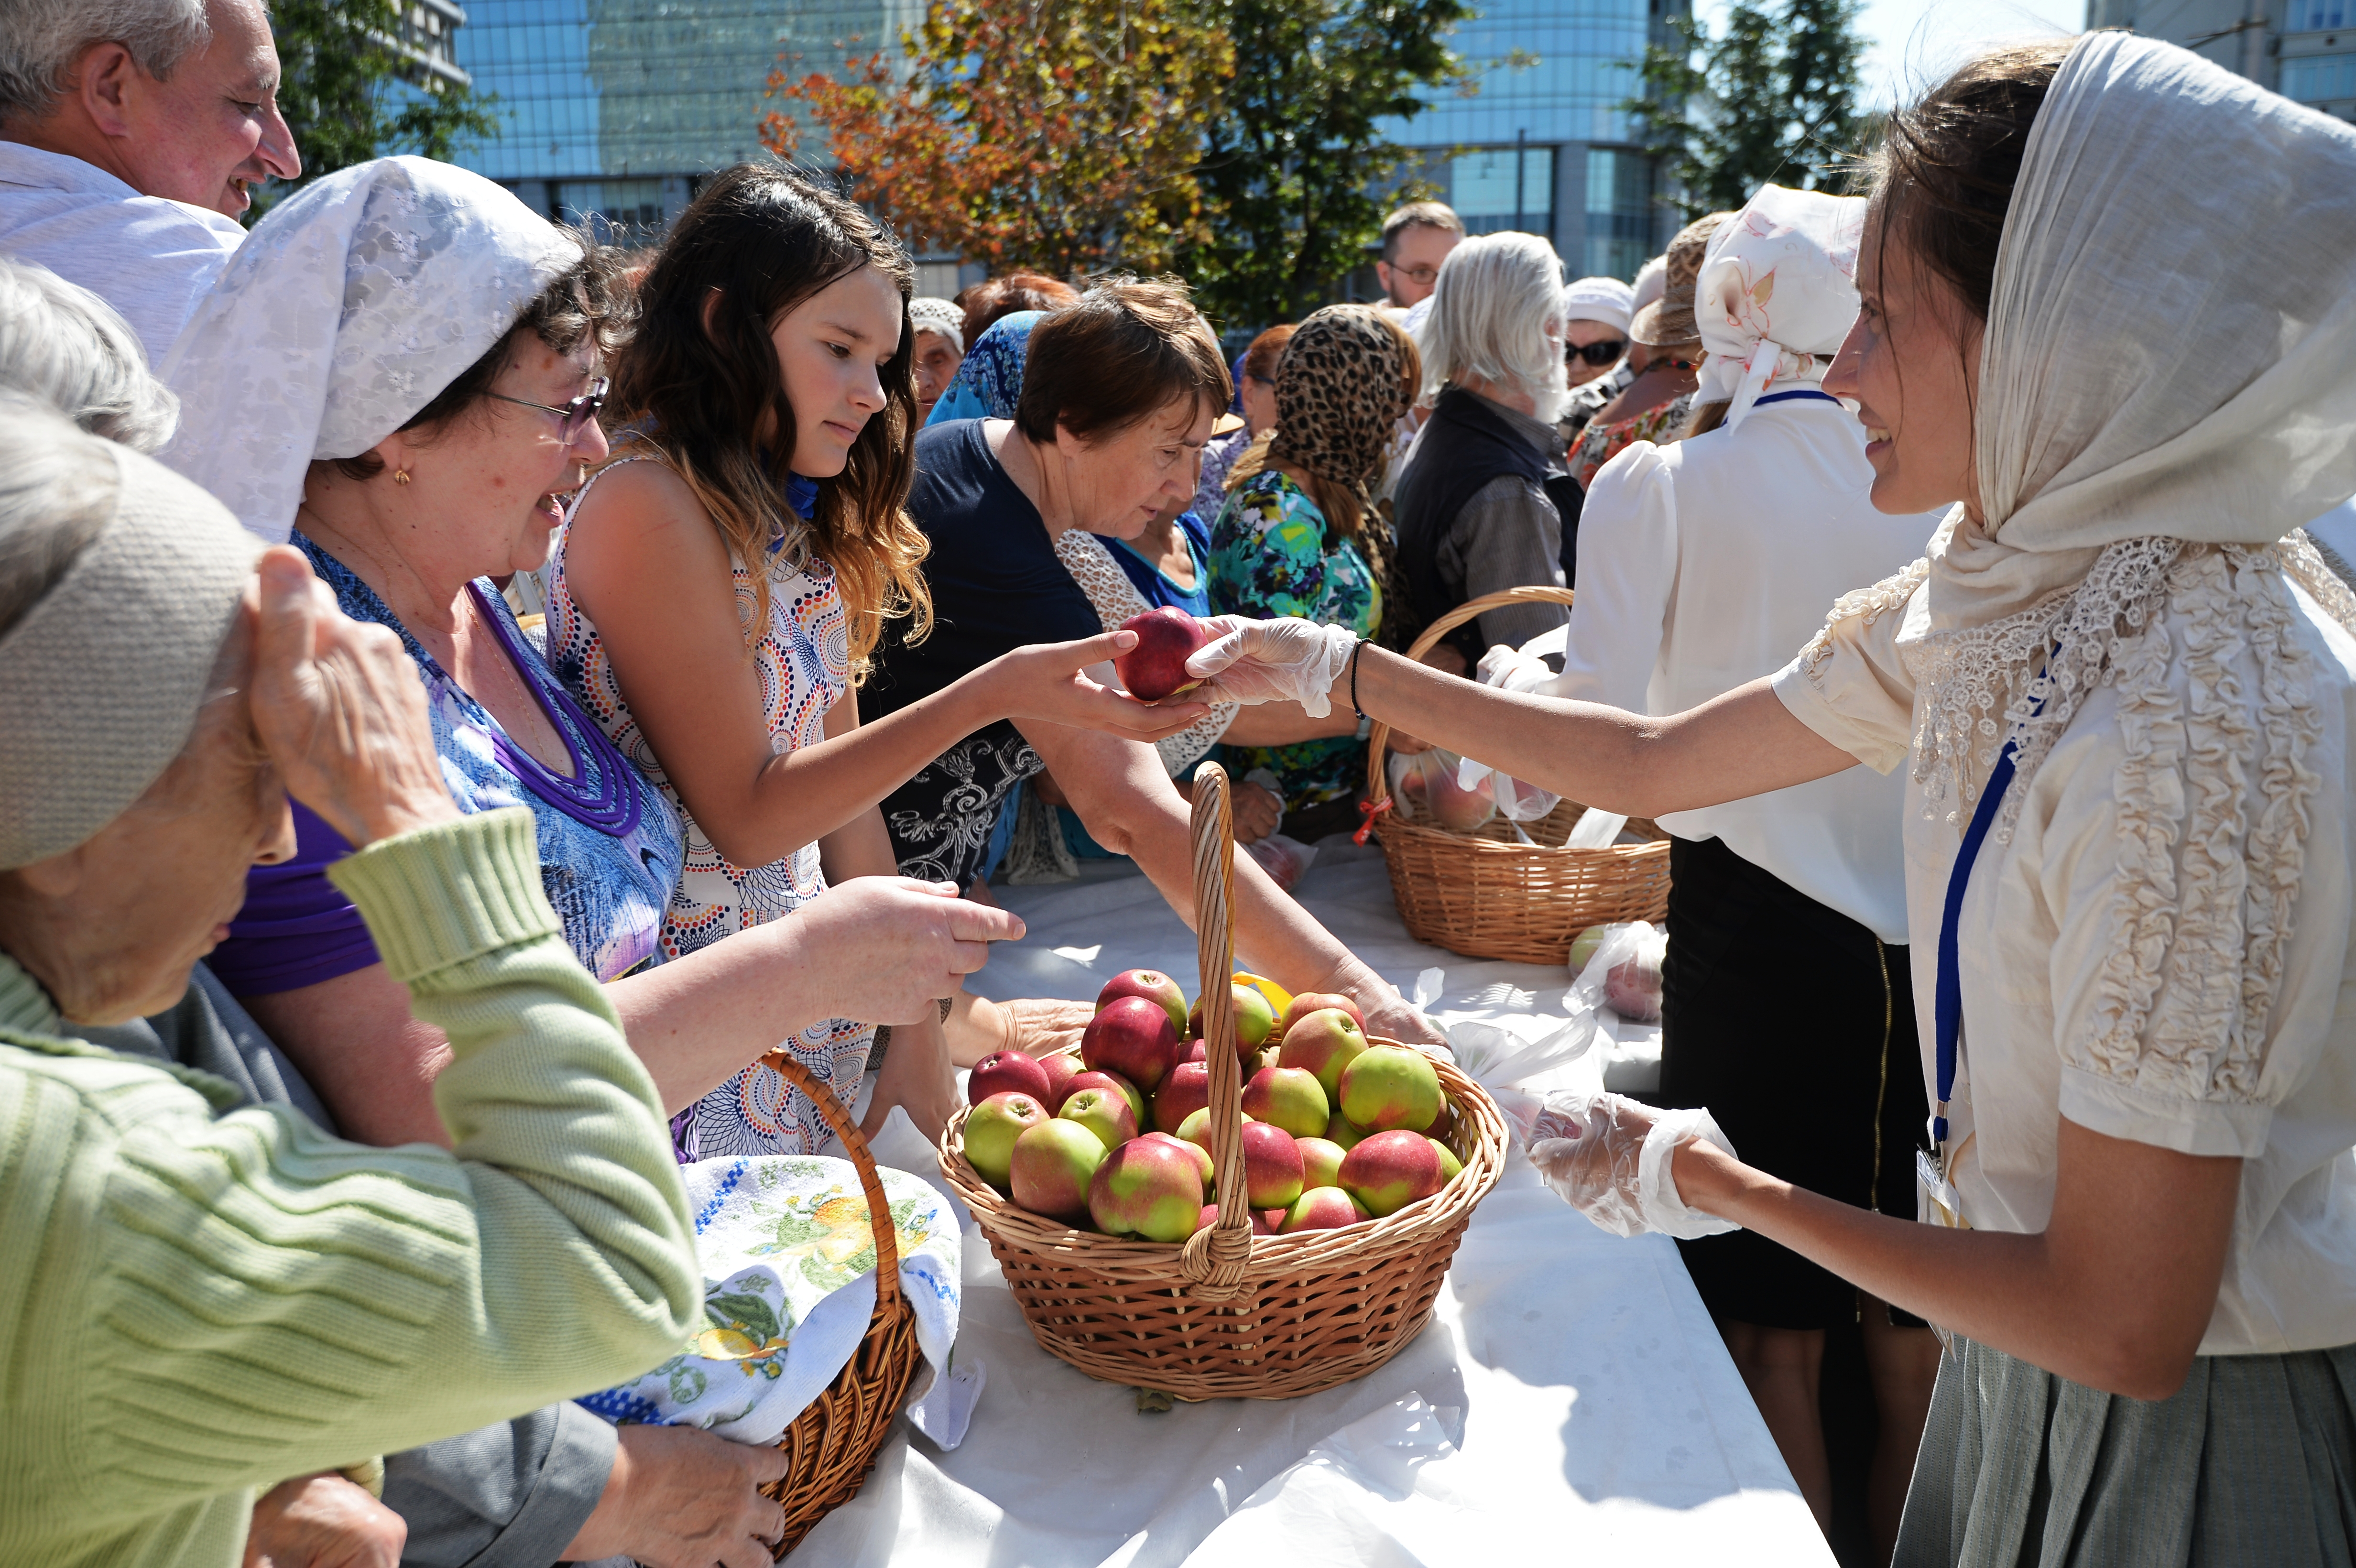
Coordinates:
column 1776, row 294
column 348, row 309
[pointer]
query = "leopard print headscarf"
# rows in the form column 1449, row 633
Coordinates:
column 1341, row 390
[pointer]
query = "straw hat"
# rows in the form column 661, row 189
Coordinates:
column 1669, row 320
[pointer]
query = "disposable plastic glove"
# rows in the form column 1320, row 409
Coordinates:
column 1608, row 1155
column 1290, row 660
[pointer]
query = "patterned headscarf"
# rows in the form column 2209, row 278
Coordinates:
column 990, row 383
column 1341, row 390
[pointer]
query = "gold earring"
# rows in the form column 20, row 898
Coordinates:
column 401, row 475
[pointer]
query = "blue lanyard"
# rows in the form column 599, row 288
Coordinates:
column 1794, row 396
column 1948, row 1010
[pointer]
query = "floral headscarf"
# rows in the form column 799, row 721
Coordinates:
column 990, row 382
column 1341, row 390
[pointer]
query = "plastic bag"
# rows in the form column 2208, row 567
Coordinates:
column 1428, row 781
column 1624, row 971
column 1286, row 860
column 1512, row 669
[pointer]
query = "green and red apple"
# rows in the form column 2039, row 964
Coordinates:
column 1389, row 1088
column 1103, row 1112
column 1052, row 1165
column 1288, row 1098
column 992, row 1127
column 1324, row 1042
column 1148, row 1188
column 1390, row 1170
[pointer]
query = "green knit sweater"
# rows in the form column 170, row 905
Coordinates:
column 198, row 1303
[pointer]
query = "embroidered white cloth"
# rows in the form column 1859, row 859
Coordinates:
column 348, row 308
column 1776, row 296
column 150, row 258
column 788, row 1285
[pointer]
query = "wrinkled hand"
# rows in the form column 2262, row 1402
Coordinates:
column 1272, row 661
column 1256, row 810
column 323, row 1521
column 340, row 709
column 1609, row 1157
column 1050, row 681
column 679, row 1498
column 894, row 946
column 918, row 1077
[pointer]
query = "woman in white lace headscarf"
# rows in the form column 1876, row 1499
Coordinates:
column 2110, row 309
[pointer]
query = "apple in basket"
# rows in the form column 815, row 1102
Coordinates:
column 1197, row 1130
column 1103, row 1112
column 1200, row 1155
column 1451, row 1168
column 1324, row 1042
column 1186, row 1090
column 1053, row 1163
column 1003, row 1072
column 1322, row 1208
column 1151, row 1189
column 1389, row 1087
column 992, row 1127
column 1340, row 1129
column 1290, row 1098
column 1264, row 1221
column 1320, row 1162
column 1060, row 1067
column 1153, row 986
column 1271, row 1166
column 1132, row 1036
column 1309, row 1002
column 1255, row 1021
column 1193, row 1050
column 1391, row 1170
column 1112, row 1080
column 1156, row 667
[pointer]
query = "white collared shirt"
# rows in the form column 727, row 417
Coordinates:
column 151, row 258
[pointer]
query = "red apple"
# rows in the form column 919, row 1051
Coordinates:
column 1271, row 1166
column 1324, row 1209
column 1200, row 1155
column 1005, row 1072
column 1153, row 1189
column 1288, row 1098
column 1103, row 1112
column 1451, row 1168
column 1391, row 1170
column 1309, row 1002
column 1053, row 1163
column 1186, row 1090
column 992, row 1127
column 1193, row 1050
column 1061, row 1068
column 1390, row 1087
column 1153, row 986
column 1254, row 1021
column 1264, row 1221
column 1633, row 989
column 1197, row 1130
column 1132, row 1036
column 1156, row 667
column 1320, row 1162
column 1112, row 1080
column 1324, row 1042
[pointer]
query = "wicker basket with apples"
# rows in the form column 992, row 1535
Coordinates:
column 1250, row 1198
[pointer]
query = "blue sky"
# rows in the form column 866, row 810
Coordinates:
column 1912, row 42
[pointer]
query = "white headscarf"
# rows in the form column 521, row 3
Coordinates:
column 348, row 309
column 1776, row 294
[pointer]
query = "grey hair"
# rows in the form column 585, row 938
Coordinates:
column 57, row 494
column 1490, row 310
column 41, row 41
column 63, row 343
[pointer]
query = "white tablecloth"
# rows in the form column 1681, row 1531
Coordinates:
column 1569, row 1402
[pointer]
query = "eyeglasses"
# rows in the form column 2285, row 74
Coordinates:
column 1595, row 353
column 1413, row 274
column 576, row 415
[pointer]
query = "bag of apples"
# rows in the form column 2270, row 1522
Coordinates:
column 1246, row 1198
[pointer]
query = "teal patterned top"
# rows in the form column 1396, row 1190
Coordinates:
column 1273, row 553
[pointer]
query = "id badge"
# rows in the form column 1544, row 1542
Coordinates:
column 1936, row 1201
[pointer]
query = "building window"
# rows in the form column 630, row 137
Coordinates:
column 619, row 212
column 2314, row 15
column 1504, row 187
column 1619, row 213
column 2318, row 78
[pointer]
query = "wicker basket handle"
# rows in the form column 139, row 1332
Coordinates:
column 1213, row 1259
column 879, row 1212
column 1378, row 739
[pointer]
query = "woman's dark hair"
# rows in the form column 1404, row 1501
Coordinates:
column 590, row 300
column 1942, row 176
column 759, row 241
column 1127, row 350
column 989, row 301
column 1267, row 351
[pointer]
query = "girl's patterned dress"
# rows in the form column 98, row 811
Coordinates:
column 804, row 662
column 1272, row 554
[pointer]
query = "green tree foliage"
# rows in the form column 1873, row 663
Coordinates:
column 1770, row 99
column 351, row 92
column 1292, row 162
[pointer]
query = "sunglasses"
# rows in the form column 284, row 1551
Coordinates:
column 576, row 415
column 1595, row 353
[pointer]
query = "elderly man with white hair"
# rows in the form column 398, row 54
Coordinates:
column 129, row 132
column 1473, row 511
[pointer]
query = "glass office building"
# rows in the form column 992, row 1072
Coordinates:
column 2304, row 50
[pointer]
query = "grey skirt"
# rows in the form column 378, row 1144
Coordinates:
column 2251, row 1462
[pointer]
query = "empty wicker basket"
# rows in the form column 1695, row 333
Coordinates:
column 1487, row 894
column 1229, row 1312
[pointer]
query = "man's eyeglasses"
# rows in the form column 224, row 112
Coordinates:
column 1602, row 353
column 576, row 415
column 1425, row 275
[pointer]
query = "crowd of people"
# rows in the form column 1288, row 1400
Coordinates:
column 473, row 693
